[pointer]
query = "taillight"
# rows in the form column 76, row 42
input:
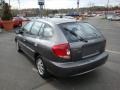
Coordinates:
column 62, row 50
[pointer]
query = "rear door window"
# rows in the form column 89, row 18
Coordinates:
column 35, row 28
column 47, row 31
column 41, row 30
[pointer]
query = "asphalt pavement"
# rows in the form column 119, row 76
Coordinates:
column 17, row 71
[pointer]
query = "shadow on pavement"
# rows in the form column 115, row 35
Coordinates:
column 75, row 82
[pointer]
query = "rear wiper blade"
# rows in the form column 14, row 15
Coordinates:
column 78, row 37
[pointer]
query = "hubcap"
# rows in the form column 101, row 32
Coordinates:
column 40, row 67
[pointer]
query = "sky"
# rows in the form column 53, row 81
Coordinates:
column 58, row 4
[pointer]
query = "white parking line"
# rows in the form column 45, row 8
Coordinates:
column 114, row 52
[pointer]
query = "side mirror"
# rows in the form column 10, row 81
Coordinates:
column 19, row 31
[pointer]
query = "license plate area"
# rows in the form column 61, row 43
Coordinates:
column 90, row 50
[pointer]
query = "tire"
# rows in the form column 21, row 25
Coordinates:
column 42, row 70
column 18, row 47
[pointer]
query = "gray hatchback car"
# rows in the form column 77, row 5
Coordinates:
column 62, row 47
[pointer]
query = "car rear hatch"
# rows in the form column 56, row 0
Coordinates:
column 83, row 50
column 87, row 42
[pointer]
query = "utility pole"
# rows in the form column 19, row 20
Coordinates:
column 108, row 6
column 89, row 5
column 78, row 6
column 106, row 12
column 19, row 4
column 19, row 12
column 41, row 3
column 9, row 2
column 41, row 11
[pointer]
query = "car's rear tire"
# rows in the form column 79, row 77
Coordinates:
column 18, row 47
column 42, row 70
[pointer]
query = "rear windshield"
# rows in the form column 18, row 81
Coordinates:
column 83, row 30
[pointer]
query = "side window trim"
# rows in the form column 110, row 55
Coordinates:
column 31, row 28
column 42, row 27
column 45, row 24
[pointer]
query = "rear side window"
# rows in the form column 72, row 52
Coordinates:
column 35, row 28
column 48, row 31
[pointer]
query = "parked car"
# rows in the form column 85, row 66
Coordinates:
column 24, row 19
column 17, row 21
column 115, row 18
column 109, row 17
column 62, row 47
column 1, row 24
column 33, row 18
column 98, row 15
column 90, row 15
column 68, row 17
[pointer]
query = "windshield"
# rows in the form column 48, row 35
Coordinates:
column 84, row 30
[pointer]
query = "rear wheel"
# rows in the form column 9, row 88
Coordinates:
column 42, row 70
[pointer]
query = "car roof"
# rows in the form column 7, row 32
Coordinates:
column 56, row 20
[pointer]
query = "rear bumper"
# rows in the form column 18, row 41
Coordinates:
column 68, row 69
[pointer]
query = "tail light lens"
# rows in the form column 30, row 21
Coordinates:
column 62, row 50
